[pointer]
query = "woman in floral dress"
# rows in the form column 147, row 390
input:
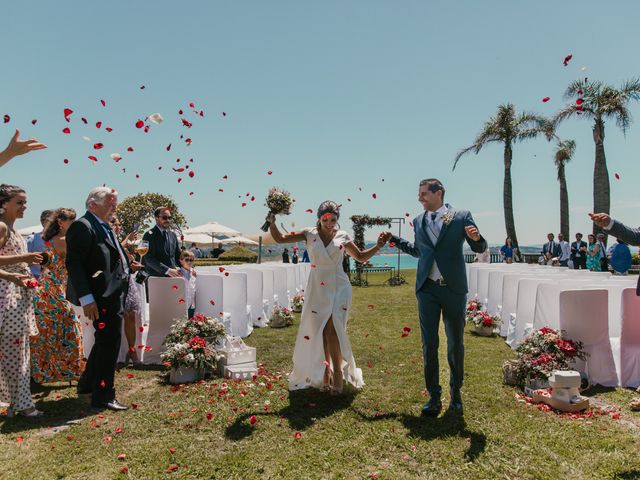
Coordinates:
column 57, row 353
column 17, row 321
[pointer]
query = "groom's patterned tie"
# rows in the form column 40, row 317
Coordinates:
column 435, row 229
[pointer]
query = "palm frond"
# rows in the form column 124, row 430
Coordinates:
column 564, row 151
column 631, row 89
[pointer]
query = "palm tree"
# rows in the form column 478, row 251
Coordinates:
column 598, row 101
column 508, row 128
column 564, row 152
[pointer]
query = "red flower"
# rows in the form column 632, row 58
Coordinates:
column 567, row 347
column 197, row 342
column 545, row 330
column 487, row 321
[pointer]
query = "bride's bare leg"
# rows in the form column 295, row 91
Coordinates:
column 336, row 356
column 326, row 381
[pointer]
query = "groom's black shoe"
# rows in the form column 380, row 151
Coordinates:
column 432, row 408
column 455, row 405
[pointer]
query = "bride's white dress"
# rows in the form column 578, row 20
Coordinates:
column 328, row 294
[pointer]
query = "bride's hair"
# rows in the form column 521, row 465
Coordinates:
column 328, row 207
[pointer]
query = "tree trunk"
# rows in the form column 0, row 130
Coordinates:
column 509, row 222
column 564, row 203
column 601, row 187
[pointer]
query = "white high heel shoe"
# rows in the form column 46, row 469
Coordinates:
column 29, row 412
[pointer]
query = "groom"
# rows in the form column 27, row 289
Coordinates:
column 441, row 286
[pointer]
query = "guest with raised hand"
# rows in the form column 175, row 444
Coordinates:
column 17, row 319
column 628, row 235
column 322, row 356
column 163, row 258
column 99, row 270
column 133, row 306
column 441, row 286
column 57, row 353
column 18, row 147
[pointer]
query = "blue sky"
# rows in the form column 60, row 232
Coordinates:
column 332, row 97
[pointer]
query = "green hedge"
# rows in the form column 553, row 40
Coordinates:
column 239, row 254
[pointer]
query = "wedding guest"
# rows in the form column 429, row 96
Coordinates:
column 322, row 356
column 98, row 276
column 620, row 258
column 133, row 305
column 441, row 287
column 593, row 254
column 57, row 352
column 550, row 249
column 579, row 253
column 163, row 258
column 35, row 243
column 294, row 256
column 506, row 251
column 195, row 250
column 19, row 147
column 517, row 255
column 285, row 256
column 305, row 256
column 216, row 252
column 187, row 259
column 565, row 251
column 604, row 264
column 17, row 318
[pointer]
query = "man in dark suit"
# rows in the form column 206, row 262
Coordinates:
column 163, row 258
column 579, row 253
column 550, row 249
column 98, row 270
column 441, row 286
column 630, row 236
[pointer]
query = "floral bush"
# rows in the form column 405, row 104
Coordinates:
column 544, row 351
column 473, row 308
column 281, row 317
column 483, row 319
column 190, row 343
column 297, row 302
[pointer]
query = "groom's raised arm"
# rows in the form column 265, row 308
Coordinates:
column 479, row 245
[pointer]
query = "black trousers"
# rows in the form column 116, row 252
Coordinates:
column 580, row 263
column 100, row 370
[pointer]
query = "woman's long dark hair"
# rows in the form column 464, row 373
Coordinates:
column 52, row 228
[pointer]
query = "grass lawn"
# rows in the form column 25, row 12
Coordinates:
column 374, row 433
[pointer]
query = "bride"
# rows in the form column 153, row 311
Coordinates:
column 322, row 357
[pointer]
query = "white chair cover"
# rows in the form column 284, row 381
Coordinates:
column 164, row 308
column 510, row 298
column 584, row 317
column 209, row 297
column 525, row 310
column 255, row 294
column 280, row 295
column 234, row 293
column 629, row 341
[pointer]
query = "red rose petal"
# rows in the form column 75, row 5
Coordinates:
column 92, row 158
column 98, row 124
column 269, row 172
column 129, row 149
column 374, row 196
column 546, row 99
column 192, row 105
column 617, row 176
column 67, row 112
column 98, row 146
column 221, row 269
column 134, row 406
column 65, row 130
column 172, row 468
column 172, row 450
column 108, row 129
column 34, row 121
column 102, row 384
column 124, row 469
column 579, row 101
column 104, row 104
column 168, row 147
column 253, row 419
column 66, row 161
column 308, row 210
column 297, row 435
column 244, row 204
column 122, row 456
column 567, row 59
column 192, row 174
column 306, row 337
column 139, row 124
column 101, row 325
column 84, row 120
column 212, row 302
column 209, row 416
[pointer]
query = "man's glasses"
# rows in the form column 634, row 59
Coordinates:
column 187, row 260
column 165, row 217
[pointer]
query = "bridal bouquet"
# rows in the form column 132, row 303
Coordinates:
column 279, row 202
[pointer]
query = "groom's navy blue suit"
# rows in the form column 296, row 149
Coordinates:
column 447, row 297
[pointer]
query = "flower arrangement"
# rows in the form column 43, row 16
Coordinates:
column 473, row 308
column 297, row 302
column 278, row 202
column 281, row 317
column 482, row 320
column 544, row 351
column 190, row 343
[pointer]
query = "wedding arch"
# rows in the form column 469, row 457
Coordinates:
column 360, row 222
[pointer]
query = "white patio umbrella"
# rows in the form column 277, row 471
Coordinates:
column 212, row 229
column 200, row 239
column 26, row 231
column 237, row 240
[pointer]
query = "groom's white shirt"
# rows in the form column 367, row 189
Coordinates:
column 435, row 226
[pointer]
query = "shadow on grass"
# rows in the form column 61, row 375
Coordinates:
column 57, row 413
column 449, row 424
column 305, row 408
column 628, row 475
